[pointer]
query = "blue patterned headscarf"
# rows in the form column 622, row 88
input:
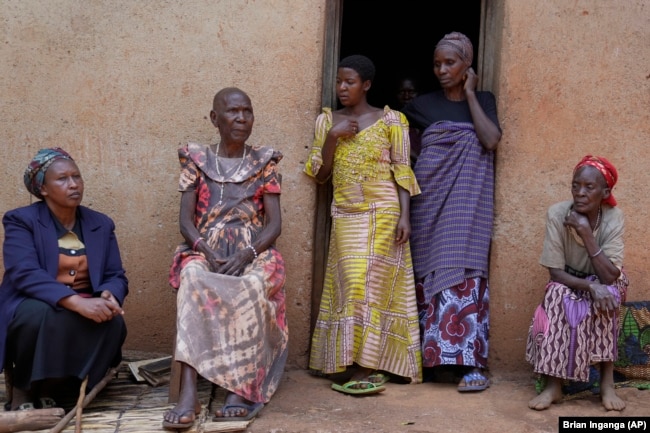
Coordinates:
column 35, row 171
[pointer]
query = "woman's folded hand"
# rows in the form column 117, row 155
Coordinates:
column 96, row 309
column 604, row 300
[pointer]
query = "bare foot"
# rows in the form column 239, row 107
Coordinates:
column 179, row 416
column 188, row 406
column 234, row 406
column 183, row 413
column 608, row 396
column 551, row 394
column 20, row 397
column 610, row 400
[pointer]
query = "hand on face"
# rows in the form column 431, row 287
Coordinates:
column 470, row 80
column 588, row 189
column 577, row 221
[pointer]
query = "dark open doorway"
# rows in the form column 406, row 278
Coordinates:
column 399, row 37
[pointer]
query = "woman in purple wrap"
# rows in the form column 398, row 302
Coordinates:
column 452, row 218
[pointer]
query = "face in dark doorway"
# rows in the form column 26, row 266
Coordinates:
column 406, row 91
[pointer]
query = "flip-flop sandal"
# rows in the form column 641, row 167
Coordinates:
column 47, row 402
column 253, row 410
column 379, row 378
column 26, row 406
column 180, row 425
column 352, row 387
column 474, row 376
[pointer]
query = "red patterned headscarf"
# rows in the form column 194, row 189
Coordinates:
column 606, row 169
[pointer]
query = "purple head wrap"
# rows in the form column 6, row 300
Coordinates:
column 459, row 43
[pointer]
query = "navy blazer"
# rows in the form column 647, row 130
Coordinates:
column 31, row 260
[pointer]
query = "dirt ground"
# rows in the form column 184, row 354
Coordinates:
column 305, row 404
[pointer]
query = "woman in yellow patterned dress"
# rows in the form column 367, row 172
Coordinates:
column 368, row 314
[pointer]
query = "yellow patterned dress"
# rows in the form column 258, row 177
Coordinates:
column 368, row 314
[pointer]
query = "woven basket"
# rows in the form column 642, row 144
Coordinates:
column 634, row 340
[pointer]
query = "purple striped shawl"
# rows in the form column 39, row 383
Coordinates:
column 452, row 218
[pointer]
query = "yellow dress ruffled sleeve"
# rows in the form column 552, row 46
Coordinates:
column 400, row 151
column 315, row 158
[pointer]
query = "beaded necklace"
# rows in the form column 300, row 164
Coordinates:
column 230, row 176
column 600, row 210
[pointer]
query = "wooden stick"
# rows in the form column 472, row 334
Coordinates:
column 29, row 420
column 80, row 401
column 91, row 395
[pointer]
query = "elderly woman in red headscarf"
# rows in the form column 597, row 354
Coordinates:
column 576, row 324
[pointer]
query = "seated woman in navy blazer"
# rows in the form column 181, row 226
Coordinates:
column 63, row 287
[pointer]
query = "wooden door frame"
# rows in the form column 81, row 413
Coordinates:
column 322, row 221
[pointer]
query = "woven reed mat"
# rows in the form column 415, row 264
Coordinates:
column 125, row 406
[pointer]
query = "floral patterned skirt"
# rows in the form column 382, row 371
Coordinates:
column 455, row 325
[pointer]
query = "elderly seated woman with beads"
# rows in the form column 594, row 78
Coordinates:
column 231, row 326
column 576, row 324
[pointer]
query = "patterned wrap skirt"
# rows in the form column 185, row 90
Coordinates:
column 368, row 311
column 455, row 324
column 568, row 333
column 233, row 329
